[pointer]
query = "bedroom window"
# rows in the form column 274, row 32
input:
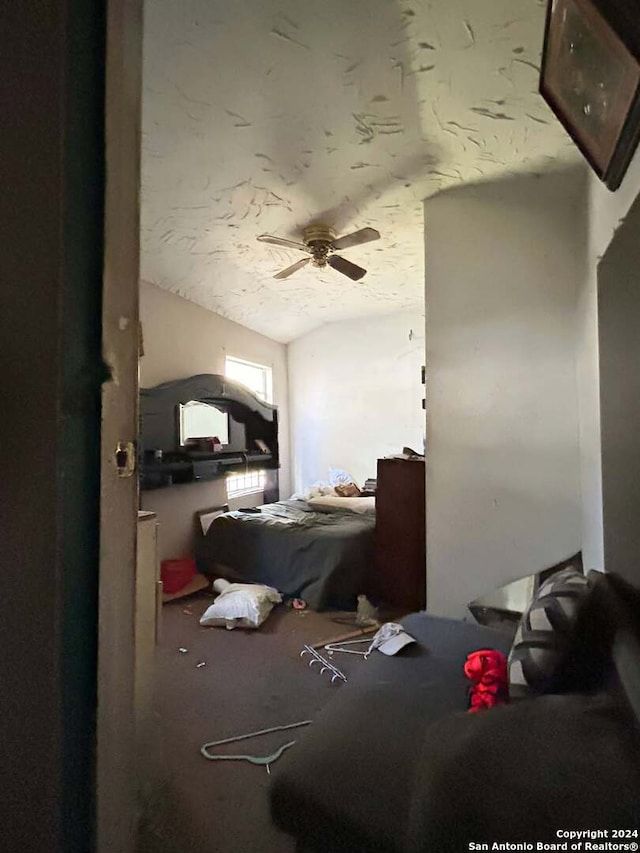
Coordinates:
column 257, row 377
column 245, row 484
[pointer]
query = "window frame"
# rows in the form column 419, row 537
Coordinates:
column 257, row 487
column 250, row 489
column 265, row 368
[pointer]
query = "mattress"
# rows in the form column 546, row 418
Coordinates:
column 323, row 557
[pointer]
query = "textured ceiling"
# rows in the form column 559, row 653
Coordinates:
column 266, row 115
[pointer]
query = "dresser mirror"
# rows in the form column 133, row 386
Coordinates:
column 202, row 420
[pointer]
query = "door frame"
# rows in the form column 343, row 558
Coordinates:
column 65, row 243
column 116, row 771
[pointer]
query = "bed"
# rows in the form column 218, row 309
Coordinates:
column 312, row 550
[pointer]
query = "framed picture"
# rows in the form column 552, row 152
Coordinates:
column 591, row 79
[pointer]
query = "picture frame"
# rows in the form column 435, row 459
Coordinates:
column 590, row 77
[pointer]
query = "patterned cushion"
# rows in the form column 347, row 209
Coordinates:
column 542, row 632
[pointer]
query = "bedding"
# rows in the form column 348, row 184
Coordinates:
column 332, row 503
column 322, row 557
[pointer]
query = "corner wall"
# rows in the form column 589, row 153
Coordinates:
column 504, row 262
column 355, row 395
column 183, row 339
column 606, row 211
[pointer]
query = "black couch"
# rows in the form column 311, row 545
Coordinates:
column 395, row 764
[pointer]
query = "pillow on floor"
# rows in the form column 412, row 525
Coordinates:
column 543, row 631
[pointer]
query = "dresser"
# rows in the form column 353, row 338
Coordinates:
column 400, row 537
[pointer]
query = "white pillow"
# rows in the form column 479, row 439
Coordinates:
column 313, row 491
column 240, row 604
column 328, row 503
column 338, row 477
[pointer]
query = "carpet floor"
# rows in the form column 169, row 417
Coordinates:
column 251, row 680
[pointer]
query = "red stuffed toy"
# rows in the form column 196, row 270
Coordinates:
column 487, row 668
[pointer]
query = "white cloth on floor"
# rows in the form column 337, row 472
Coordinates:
column 240, row 605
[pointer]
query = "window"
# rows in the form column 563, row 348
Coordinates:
column 245, row 484
column 257, row 377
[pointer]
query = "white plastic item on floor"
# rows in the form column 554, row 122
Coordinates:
column 390, row 639
column 240, row 605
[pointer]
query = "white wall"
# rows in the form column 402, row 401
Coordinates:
column 355, row 395
column 183, row 339
column 606, row 211
column 504, row 261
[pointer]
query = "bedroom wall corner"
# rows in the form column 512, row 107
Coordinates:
column 355, row 395
column 504, row 262
column 182, row 339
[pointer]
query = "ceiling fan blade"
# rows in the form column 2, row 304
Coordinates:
column 344, row 266
column 364, row 235
column 281, row 241
column 293, row 268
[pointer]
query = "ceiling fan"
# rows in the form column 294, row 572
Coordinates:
column 320, row 242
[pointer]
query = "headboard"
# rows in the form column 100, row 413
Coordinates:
column 253, row 431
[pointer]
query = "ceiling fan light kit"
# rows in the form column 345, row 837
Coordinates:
column 320, row 242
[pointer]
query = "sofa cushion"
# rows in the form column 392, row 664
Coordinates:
column 521, row 772
column 347, row 783
column 543, row 631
